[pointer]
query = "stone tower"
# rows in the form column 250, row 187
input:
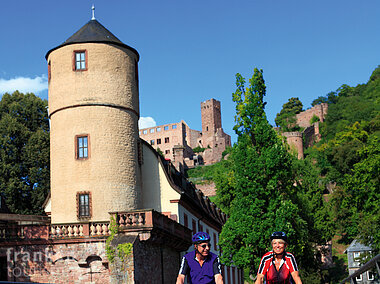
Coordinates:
column 211, row 116
column 94, row 112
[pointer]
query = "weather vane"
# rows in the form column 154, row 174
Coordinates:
column 93, row 12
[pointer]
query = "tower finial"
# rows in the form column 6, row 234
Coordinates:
column 93, row 12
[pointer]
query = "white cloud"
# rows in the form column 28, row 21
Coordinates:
column 145, row 122
column 24, row 84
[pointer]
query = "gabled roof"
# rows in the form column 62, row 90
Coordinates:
column 93, row 32
column 357, row 246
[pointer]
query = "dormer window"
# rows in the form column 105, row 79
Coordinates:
column 80, row 60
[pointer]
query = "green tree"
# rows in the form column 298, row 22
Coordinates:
column 24, row 152
column 357, row 201
column 286, row 119
column 257, row 184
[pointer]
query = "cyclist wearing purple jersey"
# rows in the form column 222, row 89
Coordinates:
column 201, row 266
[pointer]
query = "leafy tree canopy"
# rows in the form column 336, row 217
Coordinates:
column 24, row 152
column 348, row 156
column 255, row 187
column 286, row 119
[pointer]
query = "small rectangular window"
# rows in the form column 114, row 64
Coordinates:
column 166, row 127
column 359, row 278
column 49, row 71
column 158, row 129
column 152, row 142
column 158, row 141
column 80, row 63
column 370, row 275
column 82, row 147
column 167, row 151
column 84, row 204
column 151, row 130
column 174, row 126
column 145, row 131
column 166, row 139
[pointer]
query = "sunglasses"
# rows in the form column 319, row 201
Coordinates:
column 205, row 245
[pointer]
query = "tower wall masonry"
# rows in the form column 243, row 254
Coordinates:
column 101, row 102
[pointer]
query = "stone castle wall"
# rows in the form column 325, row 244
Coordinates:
column 212, row 136
column 295, row 142
column 207, row 189
column 166, row 137
column 298, row 140
column 303, row 118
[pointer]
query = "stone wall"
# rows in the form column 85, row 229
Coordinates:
column 303, row 118
column 101, row 102
column 207, row 189
column 295, row 142
column 167, row 136
column 211, row 117
column 83, row 262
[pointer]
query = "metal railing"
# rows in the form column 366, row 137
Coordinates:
column 373, row 262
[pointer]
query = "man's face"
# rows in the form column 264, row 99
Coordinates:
column 203, row 248
column 278, row 246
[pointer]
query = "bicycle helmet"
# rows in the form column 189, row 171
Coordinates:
column 200, row 237
column 279, row 235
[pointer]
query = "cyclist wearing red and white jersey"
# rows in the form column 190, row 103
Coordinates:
column 278, row 266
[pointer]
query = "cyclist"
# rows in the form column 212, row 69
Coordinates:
column 200, row 265
column 278, row 266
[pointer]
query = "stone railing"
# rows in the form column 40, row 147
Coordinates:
column 147, row 224
column 79, row 230
column 144, row 222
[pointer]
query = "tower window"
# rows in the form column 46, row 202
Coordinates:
column 49, row 71
column 166, row 139
column 80, row 60
column 159, row 141
column 84, row 204
column 152, row 142
column 82, row 146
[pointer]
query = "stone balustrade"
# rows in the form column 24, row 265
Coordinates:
column 145, row 223
column 79, row 230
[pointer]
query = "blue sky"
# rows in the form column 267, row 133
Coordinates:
column 191, row 50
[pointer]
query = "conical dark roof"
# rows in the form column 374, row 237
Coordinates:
column 93, row 31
